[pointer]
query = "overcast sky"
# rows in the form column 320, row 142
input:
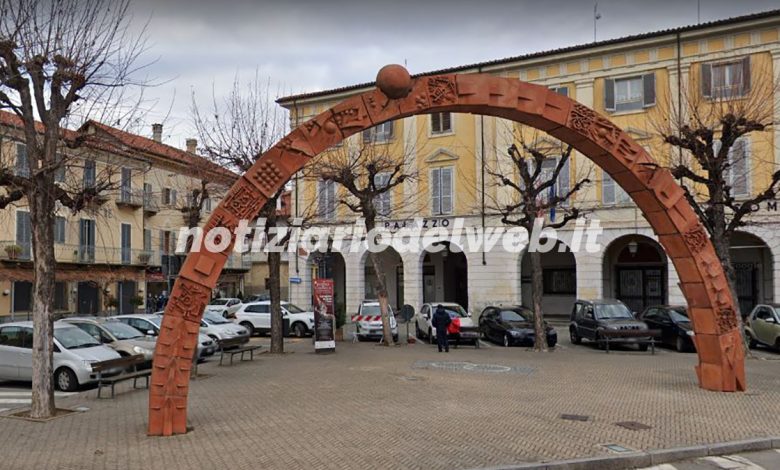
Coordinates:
column 311, row 45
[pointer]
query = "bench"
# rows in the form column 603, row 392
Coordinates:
column 123, row 363
column 241, row 347
column 621, row 336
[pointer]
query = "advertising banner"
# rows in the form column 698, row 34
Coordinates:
column 324, row 316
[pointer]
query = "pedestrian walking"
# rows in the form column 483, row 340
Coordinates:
column 442, row 320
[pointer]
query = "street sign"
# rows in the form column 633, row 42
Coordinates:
column 295, row 280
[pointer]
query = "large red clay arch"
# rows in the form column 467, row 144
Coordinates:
column 653, row 189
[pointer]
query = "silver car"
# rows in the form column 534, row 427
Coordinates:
column 149, row 324
column 368, row 321
column 120, row 337
column 74, row 353
column 217, row 327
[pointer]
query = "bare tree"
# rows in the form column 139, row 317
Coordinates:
column 533, row 176
column 369, row 174
column 235, row 133
column 714, row 133
column 56, row 57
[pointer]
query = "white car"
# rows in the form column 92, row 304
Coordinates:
column 227, row 307
column 217, row 327
column 422, row 320
column 368, row 322
column 256, row 317
column 74, row 353
column 149, row 324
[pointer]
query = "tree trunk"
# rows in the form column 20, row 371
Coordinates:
column 381, row 285
column 42, row 220
column 540, row 335
column 274, row 287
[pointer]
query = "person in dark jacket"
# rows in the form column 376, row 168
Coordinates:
column 441, row 320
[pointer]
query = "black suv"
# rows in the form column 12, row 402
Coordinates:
column 590, row 317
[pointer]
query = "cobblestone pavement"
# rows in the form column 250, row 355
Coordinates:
column 763, row 460
column 368, row 406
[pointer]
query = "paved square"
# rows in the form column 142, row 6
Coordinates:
column 371, row 407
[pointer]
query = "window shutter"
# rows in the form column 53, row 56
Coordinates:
column 22, row 166
column 367, row 135
column 607, row 188
column 436, row 123
column 648, row 82
column 562, row 90
column 162, row 242
column 331, row 189
column 745, row 88
column 739, row 163
column 609, row 94
column 446, row 122
column 436, row 191
column 706, row 80
column 563, row 179
column 390, row 129
column 446, row 190
column 322, row 197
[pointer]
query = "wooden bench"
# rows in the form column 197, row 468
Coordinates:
column 123, row 363
column 622, row 336
column 241, row 347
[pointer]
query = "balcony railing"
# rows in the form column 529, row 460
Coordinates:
column 12, row 250
column 151, row 205
column 239, row 261
column 130, row 197
column 84, row 254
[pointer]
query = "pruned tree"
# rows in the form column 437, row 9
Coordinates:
column 536, row 178
column 234, row 133
column 58, row 60
column 717, row 133
column 369, row 175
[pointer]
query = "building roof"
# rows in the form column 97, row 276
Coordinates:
column 551, row 52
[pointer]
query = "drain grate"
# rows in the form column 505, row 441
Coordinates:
column 575, row 417
column 633, row 425
column 617, row 448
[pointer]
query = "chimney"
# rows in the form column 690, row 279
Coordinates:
column 157, row 132
column 192, row 145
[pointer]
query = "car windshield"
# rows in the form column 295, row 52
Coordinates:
column 121, row 331
column 154, row 321
column 455, row 311
column 214, row 318
column 292, row 308
column 373, row 309
column 72, row 337
column 218, row 302
column 608, row 311
column 517, row 315
column 679, row 315
column 777, row 311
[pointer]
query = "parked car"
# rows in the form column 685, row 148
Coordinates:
column 675, row 326
column 424, row 329
column 763, row 326
column 512, row 325
column 257, row 298
column 256, row 318
column 74, row 353
column 590, row 317
column 120, row 337
column 226, row 306
column 217, row 327
column 369, row 325
column 149, row 324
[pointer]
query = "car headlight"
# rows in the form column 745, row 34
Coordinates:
column 690, row 333
column 88, row 362
column 515, row 333
column 140, row 350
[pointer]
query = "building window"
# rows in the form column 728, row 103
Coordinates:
column 59, row 229
column 725, row 80
column 60, row 296
column 126, row 243
column 169, row 197
column 380, row 133
column 611, row 192
column 147, row 240
column 629, row 94
column 561, row 186
column 89, row 173
column 737, row 175
column 383, row 202
column 441, row 123
column 22, row 163
column 326, row 202
column 207, row 204
column 24, row 234
column 559, row 281
column 561, row 90
column 22, row 296
column 59, row 173
column 441, row 191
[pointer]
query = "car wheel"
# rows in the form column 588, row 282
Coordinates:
column 507, row 340
column 552, row 343
column 299, row 330
column 66, row 380
column 574, row 336
column 417, row 330
column 599, row 343
column 752, row 343
column 777, row 344
column 642, row 347
column 430, row 336
column 476, row 343
column 249, row 327
column 679, row 345
column 395, row 338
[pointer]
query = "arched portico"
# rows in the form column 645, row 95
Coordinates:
column 653, row 189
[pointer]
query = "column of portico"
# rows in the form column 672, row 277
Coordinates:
column 776, row 136
column 355, row 278
column 413, row 294
column 496, row 281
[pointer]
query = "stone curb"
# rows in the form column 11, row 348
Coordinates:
column 650, row 457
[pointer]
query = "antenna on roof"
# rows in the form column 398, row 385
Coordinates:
column 596, row 17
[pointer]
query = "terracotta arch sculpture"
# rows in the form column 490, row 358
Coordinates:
column 653, row 189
